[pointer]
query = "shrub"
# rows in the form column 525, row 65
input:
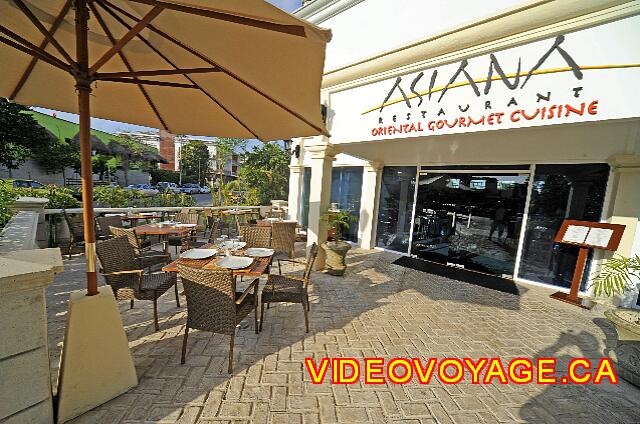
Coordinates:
column 117, row 197
column 59, row 198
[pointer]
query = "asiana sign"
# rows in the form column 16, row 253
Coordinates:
column 583, row 76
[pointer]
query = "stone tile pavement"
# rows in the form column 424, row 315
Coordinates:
column 376, row 309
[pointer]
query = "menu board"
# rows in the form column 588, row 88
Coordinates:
column 599, row 235
column 575, row 234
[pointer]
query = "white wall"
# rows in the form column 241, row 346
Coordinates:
column 375, row 26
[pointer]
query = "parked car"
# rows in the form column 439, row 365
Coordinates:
column 166, row 186
column 146, row 189
column 20, row 183
column 205, row 189
column 190, row 188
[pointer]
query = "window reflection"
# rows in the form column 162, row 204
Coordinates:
column 470, row 220
column 306, row 189
column 395, row 208
column 560, row 192
column 346, row 189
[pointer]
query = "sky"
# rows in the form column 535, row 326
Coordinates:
column 113, row 126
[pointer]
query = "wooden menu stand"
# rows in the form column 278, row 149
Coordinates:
column 586, row 235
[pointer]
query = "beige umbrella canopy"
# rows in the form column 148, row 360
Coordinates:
column 250, row 69
column 203, row 67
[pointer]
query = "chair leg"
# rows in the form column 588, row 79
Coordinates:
column 308, row 303
column 306, row 315
column 184, row 344
column 177, row 298
column 131, row 304
column 69, row 250
column 255, row 313
column 261, row 314
column 155, row 314
column 231, row 351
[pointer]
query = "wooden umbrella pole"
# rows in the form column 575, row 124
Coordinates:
column 83, row 85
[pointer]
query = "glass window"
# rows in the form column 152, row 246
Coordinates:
column 469, row 220
column 346, row 190
column 560, row 192
column 304, row 204
column 395, row 208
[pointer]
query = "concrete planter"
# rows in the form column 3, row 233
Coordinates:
column 627, row 353
column 336, row 252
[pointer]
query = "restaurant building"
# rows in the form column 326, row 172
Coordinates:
column 465, row 132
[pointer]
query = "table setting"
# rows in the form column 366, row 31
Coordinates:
column 226, row 254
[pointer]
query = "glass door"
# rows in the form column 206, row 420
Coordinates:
column 469, row 219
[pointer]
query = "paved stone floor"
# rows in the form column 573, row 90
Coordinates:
column 376, row 309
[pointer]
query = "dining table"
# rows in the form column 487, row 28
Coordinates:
column 258, row 267
column 164, row 231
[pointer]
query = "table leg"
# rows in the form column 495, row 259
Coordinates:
column 165, row 244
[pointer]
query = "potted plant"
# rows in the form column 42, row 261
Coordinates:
column 617, row 276
column 337, row 248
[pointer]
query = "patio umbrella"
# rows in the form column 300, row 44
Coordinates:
column 203, row 67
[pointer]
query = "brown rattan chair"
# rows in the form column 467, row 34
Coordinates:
column 256, row 236
column 76, row 230
column 214, row 233
column 183, row 241
column 214, row 305
column 104, row 222
column 284, row 237
column 124, row 273
column 287, row 288
column 147, row 258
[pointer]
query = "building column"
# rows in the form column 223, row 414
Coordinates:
column 295, row 191
column 625, row 210
column 371, row 176
column 322, row 155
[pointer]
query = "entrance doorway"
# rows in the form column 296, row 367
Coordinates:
column 470, row 219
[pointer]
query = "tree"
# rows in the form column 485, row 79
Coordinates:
column 194, row 160
column 56, row 156
column 266, row 169
column 225, row 149
column 20, row 134
column 130, row 151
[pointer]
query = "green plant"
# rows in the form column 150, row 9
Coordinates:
column 158, row 175
column 20, row 135
column 7, row 196
column 266, row 170
column 116, row 197
column 338, row 220
column 616, row 275
column 59, row 198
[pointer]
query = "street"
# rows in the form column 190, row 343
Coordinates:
column 203, row 199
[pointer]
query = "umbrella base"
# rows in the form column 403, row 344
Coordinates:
column 96, row 363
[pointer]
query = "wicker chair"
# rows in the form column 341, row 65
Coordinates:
column 147, row 258
column 124, row 273
column 104, row 222
column 76, row 230
column 214, row 233
column 256, row 236
column 183, row 241
column 285, row 288
column 264, row 211
column 214, row 305
column 284, row 237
